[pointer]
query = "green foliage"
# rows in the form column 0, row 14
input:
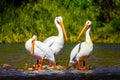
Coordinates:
column 20, row 19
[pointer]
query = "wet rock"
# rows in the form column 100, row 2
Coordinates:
column 57, row 67
column 8, row 67
column 30, row 69
column 5, row 65
column 47, row 67
column 97, row 73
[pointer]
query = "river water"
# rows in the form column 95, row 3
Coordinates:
column 102, row 55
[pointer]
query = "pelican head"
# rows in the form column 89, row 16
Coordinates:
column 59, row 21
column 34, row 37
column 88, row 24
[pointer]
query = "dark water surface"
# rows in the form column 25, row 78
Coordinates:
column 102, row 55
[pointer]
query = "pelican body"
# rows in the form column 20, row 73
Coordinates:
column 40, row 51
column 56, row 43
column 83, row 49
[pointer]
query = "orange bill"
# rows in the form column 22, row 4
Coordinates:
column 32, row 47
column 63, row 29
column 84, row 28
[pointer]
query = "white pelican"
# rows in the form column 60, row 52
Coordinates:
column 82, row 50
column 56, row 43
column 40, row 50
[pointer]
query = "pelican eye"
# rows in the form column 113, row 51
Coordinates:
column 59, row 20
column 88, row 22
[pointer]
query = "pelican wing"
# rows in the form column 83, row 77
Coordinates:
column 49, row 41
column 74, row 52
column 46, row 50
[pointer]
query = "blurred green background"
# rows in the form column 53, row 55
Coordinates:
column 20, row 19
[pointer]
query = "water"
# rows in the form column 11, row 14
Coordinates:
column 102, row 55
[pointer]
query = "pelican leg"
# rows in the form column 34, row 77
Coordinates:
column 37, row 65
column 41, row 64
column 78, row 63
column 84, row 66
column 51, row 64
